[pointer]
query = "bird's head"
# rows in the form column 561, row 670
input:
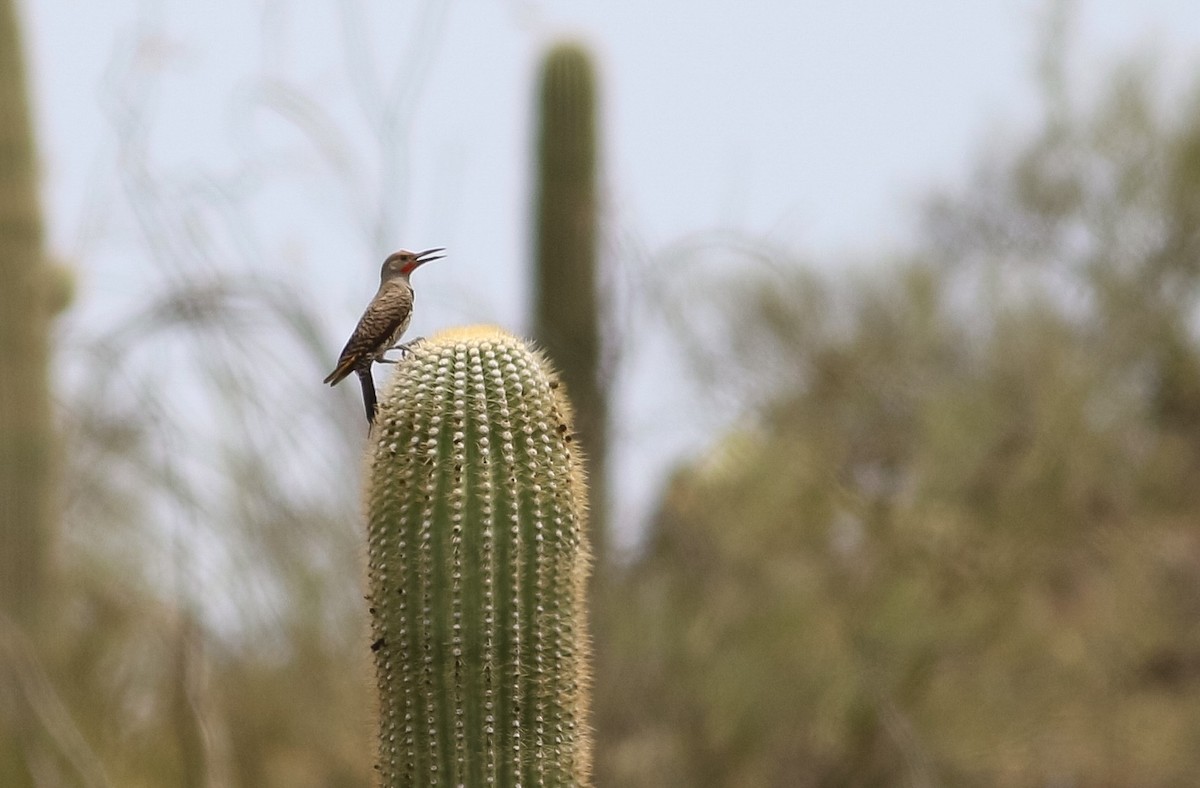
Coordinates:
column 404, row 262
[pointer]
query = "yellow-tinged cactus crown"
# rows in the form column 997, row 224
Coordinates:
column 477, row 565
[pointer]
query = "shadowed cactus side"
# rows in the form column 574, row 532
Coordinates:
column 477, row 566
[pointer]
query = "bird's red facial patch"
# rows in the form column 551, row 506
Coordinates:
column 419, row 259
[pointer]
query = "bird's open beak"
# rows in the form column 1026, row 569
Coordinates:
column 424, row 257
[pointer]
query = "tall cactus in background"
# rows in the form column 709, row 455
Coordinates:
column 567, row 318
column 477, row 565
column 26, row 435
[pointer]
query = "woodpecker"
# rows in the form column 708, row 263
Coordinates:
column 382, row 324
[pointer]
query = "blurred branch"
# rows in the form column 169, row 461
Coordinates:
column 25, row 685
column 1053, row 60
column 712, row 291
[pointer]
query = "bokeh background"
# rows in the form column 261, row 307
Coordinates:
column 900, row 359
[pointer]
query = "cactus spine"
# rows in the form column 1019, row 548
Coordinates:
column 477, row 563
column 26, row 429
column 567, row 318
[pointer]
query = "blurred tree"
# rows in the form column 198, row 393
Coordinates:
column 567, row 312
column 956, row 542
column 166, row 524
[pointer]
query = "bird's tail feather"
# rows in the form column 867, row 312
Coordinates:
column 368, row 390
column 344, row 368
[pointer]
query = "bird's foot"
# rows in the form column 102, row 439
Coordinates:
column 404, row 347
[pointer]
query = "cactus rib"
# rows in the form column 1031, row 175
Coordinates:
column 477, row 562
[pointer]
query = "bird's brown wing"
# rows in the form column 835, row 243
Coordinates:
column 387, row 310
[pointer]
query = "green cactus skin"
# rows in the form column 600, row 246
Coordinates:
column 566, row 302
column 27, row 448
column 477, row 567
column 27, row 440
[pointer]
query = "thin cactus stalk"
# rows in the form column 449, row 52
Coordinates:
column 27, row 502
column 477, row 567
column 566, row 303
column 26, row 430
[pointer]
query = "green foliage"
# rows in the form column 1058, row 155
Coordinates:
column 567, row 321
column 957, row 544
column 477, row 559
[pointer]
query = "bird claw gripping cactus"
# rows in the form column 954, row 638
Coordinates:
column 477, row 565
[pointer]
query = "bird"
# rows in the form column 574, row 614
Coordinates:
column 382, row 324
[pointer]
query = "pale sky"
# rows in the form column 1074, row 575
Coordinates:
column 814, row 123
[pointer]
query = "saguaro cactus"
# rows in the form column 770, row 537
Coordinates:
column 26, row 435
column 567, row 309
column 477, row 564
